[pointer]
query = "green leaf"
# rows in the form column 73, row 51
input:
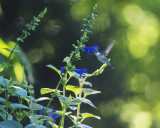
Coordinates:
column 83, row 100
column 2, row 99
column 31, row 126
column 35, row 106
column 88, row 91
column 87, row 115
column 18, row 106
column 10, row 124
column 82, row 125
column 4, row 82
column 99, row 71
column 19, row 92
column 77, row 90
column 6, row 64
column 67, row 59
column 55, row 69
column 41, row 15
column 48, row 90
column 64, row 100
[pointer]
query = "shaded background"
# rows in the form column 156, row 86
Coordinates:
column 130, row 93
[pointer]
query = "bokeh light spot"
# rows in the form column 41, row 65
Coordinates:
column 138, row 49
column 35, row 55
column 133, row 14
column 142, row 120
column 127, row 111
column 102, row 22
column 140, row 82
column 80, row 10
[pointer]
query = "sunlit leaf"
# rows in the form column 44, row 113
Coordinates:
column 88, row 91
column 77, row 90
column 48, row 90
column 87, row 115
column 10, row 124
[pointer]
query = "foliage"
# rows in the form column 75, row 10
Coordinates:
column 27, row 106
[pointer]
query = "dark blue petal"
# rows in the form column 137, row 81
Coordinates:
column 62, row 70
column 54, row 115
column 41, row 112
column 80, row 71
column 90, row 49
column 84, row 70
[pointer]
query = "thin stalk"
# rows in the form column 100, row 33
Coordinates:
column 12, row 51
column 79, row 105
column 63, row 107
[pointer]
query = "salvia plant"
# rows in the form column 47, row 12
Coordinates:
column 27, row 106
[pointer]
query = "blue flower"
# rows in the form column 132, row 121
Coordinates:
column 41, row 112
column 90, row 49
column 80, row 71
column 50, row 113
column 62, row 70
column 54, row 115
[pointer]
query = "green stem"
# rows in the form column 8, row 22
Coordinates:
column 63, row 108
column 79, row 105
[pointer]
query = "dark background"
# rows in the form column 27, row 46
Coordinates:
column 130, row 92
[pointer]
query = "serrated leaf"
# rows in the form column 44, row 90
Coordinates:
column 75, row 89
column 83, row 100
column 98, row 71
column 82, row 125
column 48, row 90
column 18, row 106
column 42, row 98
column 10, row 124
column 87, row 115
column 41, row 15
column 88, row 91
column 55, row 69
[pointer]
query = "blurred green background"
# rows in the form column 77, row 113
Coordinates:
column 130, row 93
